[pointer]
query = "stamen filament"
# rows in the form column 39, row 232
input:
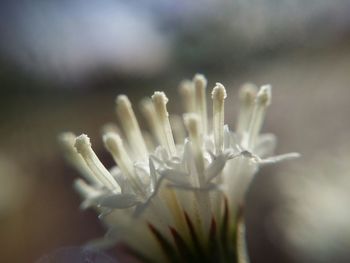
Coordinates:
column 186, row 90
column 218, row 96
column 178, row 128
column 200, row 85
column 84, row 189
column 263, row 99
column 131, row 127
column 114, row 145
column 110, row 127
column 247, row 96
column 150, row 114
column 192, row 124
column 160, row 101
column 149, row 141
column 83, row 146
column 67, row 140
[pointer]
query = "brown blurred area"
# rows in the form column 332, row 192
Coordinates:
column 309, row 114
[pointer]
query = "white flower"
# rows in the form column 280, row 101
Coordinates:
column 181, row 201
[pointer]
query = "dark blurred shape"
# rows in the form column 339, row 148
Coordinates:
column 70, row 40
column 76, row 255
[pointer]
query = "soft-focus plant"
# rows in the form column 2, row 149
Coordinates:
column 176, row 197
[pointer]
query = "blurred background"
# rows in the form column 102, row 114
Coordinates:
column 62, row 63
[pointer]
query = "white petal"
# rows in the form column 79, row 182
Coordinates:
column 215, row 168
column 123, row 181
column 279, row 158
column 153, row 175
column 117, row 201
column 176, row 176
column 227, row 137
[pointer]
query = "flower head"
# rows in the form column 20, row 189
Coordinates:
column 180, row 199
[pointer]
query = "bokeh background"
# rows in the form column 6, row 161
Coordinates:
column 62, row 63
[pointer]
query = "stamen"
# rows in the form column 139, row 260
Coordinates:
column 218, row 95
column 200, row 85
column 186, row 90
column 149, row 141
column 114, row 145
column 67, row 140
column 178, row 128
column 149, row 112
column 262, row 100
column 247, row 97
column 192, row 124
column 83, row 146
column 84, row 189
column 160, row 101
column 110, row 127
column 131, row 127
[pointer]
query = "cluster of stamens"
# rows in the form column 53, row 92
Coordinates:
column 185, row 176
